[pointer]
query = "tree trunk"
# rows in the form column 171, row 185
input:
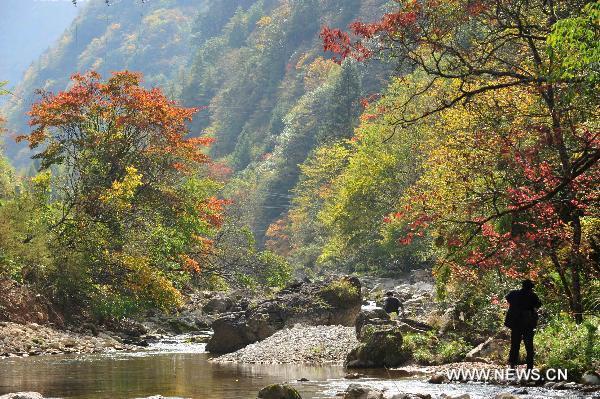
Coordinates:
column 576, row 271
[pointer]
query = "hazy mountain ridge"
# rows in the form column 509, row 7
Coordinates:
column 152, row 38
column 28, row 28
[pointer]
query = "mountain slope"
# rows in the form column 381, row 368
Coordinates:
column 152, row 38
column 28, row 28
column 256, row 68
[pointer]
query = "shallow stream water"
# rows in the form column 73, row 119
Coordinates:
column 177, row 369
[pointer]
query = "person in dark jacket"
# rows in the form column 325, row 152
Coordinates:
column 391, row 304
column 521, row 318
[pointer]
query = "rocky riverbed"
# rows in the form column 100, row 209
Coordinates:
column 300, row 344
column 34, row 339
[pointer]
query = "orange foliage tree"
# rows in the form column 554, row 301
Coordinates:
column 134, row 210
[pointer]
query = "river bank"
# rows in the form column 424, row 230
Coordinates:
column 307, row 356
column 179, row 367
column 22, row 340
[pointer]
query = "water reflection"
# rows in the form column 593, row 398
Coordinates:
column 172, row 371
column 167, row 374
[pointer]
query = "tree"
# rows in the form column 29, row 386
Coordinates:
column 307, row 231
column 368, row 189
column 480, row 50
column 234, row 260
column 136, row 215
column 3, row 91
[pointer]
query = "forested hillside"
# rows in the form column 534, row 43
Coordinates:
column 272, row 97
column 254, row 68
column 152, row 38
column 261, row 92
column 29, row 27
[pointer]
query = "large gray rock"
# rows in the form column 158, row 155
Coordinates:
column 409, row 325
column 492, row 348
column 218, row 304
column 438, row 378
column 333, row 302
column 381, row 346
column 371, row 317
column 278, row 391
column 452, row 321
column 590, row 378
column 356, row 391
column 235, row 331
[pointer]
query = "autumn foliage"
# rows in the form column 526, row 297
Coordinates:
column 131, row 190
column 522, row 153
column 119, row 106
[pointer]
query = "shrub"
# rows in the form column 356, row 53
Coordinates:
column 564, row 344
column 340, row 291
column 420, row 346
column 113, row 306
column 452, row 350
column 427, row 348
column 277, row 272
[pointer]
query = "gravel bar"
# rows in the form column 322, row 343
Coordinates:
column 301, row 345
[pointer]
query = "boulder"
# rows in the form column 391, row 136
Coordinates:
column 332, row 302
column 492, row 348
column 438, row 378
column 376, row 317
column 218, row 304
column 356, row 391
column 590, row 378
column 278, row 391
column 452, row 321
column 381, row 346
column 410, row 325
column 235, row 331
column 181, row 325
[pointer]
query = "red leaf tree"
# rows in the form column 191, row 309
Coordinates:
column 483, row 47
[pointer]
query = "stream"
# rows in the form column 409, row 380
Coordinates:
column 178, row 369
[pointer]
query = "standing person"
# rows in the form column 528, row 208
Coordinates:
column 521, row 318
column 391, row 304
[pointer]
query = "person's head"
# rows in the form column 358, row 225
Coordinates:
column 389, row 293
column 527, row 284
